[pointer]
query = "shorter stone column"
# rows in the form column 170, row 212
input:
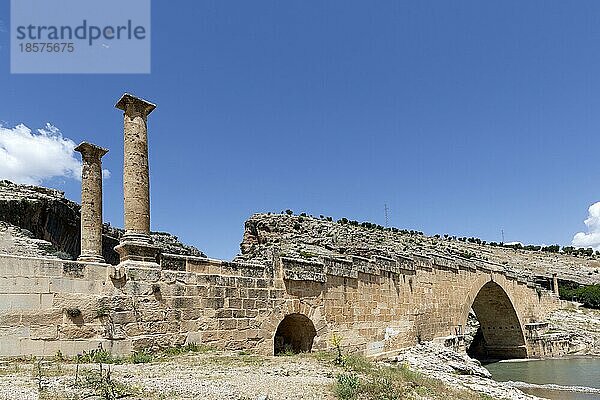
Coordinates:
column 91, row 202
column 555, row 284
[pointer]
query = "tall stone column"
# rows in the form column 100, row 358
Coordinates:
column 136, row 244
column 91, row 202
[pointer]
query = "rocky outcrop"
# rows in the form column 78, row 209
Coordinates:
column 165, row 241
column 43, row 212
column 45, row 223
column 456, row 370
column 14, row 240
column 310, row 238
column 581, row 324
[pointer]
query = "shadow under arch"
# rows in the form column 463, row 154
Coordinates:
column 500, row 334
column 295, row 333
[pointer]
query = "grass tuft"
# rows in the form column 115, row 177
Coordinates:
column 364, row 379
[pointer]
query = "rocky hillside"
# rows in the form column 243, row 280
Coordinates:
column 309, row 237
column 38, row 221
column 14, row 240
column 45, row 213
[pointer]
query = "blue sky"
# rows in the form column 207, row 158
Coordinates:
column 463, row 117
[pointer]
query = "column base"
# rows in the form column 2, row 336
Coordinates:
column 92, row 258
column 139, row 248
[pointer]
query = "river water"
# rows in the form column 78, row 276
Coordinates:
column 559, row 379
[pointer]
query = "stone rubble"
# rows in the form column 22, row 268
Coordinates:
column 456, row 370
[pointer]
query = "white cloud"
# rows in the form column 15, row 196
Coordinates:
column 31, row 157
column 592, row 237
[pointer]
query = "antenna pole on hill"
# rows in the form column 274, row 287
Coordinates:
column 502, row 235
column 385, row 209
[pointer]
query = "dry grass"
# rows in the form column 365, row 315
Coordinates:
column 364, row 379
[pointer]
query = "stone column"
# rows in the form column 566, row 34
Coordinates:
column 91, row 202
column 136, row 244
column 555, row 284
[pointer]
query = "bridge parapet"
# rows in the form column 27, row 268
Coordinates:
column 521, row 280
column 340, row 267
column 465, row 264
column 406, row 265
column 422, row 262
column 365, row 265
column 387, row 264
column 203, row 265
column 442, row 261
column 296, row 269
column 318, row 269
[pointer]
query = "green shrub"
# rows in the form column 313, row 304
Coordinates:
column 346, row 386
column 384, row 386
column 306, row 254
column 357, row 363
column 104, row 387
column 141, row 357
column 188, row 348
column 99, row 356
column 588, row 295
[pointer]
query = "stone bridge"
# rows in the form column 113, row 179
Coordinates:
column 153, row 300
column 376, row 305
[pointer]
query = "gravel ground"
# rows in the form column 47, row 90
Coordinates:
column 214, row 375
column 237, row 375
column 229, row 375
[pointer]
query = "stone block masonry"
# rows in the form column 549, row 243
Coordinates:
column 377, row 300
column 376, row 305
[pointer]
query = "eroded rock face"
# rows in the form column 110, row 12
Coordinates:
column 309, row 237
column 14, row 240
column 52, row 218
column 44, row 212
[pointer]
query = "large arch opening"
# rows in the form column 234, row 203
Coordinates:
column 498, row 334
column 295, row 334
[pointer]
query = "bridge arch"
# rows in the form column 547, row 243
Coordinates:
column 295, row 333
column 500, row 334
column 268, row 329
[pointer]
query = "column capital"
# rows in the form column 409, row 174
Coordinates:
column 88, row 149
column 131, row 105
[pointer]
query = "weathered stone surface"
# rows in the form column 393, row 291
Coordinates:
column 91, row 202
column 136, row 181
column 378, row 298
column 317, row 238
column 43, row 212
column 37, row 221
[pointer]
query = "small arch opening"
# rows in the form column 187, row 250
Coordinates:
column 295, row 334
